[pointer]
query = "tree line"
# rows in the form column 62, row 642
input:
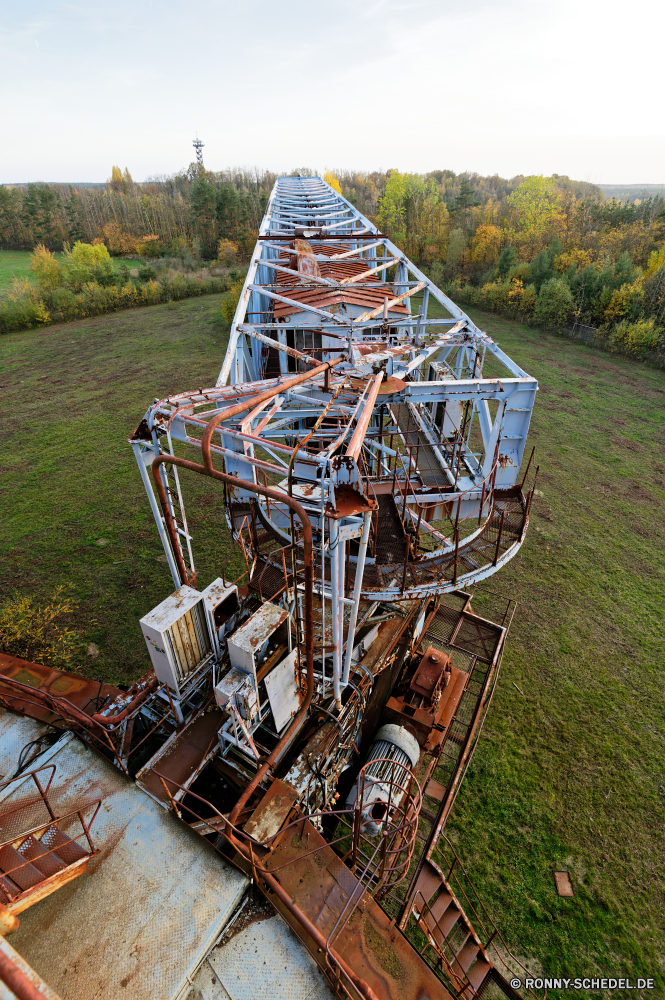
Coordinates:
column 192, row 210
column 507, row 244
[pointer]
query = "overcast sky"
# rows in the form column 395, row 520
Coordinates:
column 514, row 86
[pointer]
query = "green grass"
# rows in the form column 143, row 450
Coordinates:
column 72, row 395
column 568, row 775
column 16, row 264
column 13, row 264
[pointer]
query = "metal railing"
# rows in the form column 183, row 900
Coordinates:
column 457, row 879
column 376, row 862
column 109, row 737
column 56, row 823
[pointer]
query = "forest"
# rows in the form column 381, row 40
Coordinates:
column 545, row 250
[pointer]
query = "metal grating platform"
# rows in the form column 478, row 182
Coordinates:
column 155, row 900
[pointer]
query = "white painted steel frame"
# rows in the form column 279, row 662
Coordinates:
column 441, row 360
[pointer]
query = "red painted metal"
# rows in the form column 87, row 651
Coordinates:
column 16, row 979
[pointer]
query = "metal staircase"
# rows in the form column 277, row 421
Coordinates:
column 457, row 950
column 40, row 853
column 461, row 941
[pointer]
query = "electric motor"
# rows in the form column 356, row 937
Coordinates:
column 393, row 752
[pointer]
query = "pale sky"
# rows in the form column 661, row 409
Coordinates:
column 515, row 86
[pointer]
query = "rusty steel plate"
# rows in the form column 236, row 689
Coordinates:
column 272, row 810
column 391, row 385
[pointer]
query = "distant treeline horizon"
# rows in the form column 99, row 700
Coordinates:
column 621, row 192
column 549, row 249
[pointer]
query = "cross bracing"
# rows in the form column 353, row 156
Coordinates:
column 343, row 391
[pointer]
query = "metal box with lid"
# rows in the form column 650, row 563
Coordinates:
column 178, row 638
column 221, row 604
column 269, row 626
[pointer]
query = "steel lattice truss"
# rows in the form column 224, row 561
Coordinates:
column 354, row 385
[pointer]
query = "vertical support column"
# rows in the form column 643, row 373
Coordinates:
column 335, row 605
column 156, row 512
column 360, row 567
column 422, row 322
column 342, row 546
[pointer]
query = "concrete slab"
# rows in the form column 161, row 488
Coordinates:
column 152, row 904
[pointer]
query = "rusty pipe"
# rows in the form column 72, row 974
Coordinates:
column 356, row 442
column 308, row 558
column 23, row 987
column 233, row 411
column 110, row 720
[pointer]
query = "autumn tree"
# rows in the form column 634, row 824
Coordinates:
column 486, row 246
column 535, row 215
column 45, row 268
column 115, row 181
column 85, row 262
column 330, row 179
column 412, row 213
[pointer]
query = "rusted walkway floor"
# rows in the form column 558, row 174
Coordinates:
column 370, row 943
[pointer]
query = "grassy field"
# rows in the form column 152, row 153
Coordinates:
column 16, row 264
column 569, row 772
column 13, row 264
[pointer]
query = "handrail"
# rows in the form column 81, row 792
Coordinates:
column 236, row 838
column 54, row 822
column 408, row 814
column 495, row 930
column 18, row 982
column 42, row 791
column 31, row 774
column 99, row 733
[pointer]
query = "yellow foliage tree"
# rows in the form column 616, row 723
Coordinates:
column 118, row 240
column 625, row 301
column 330, row 178
column 230, row 302
column 84, row 263
column 115, row 180
column 119, row 182
column 573, row 258
column 656, row 261
column 486, row 246
column 45, row 267
column 638, row 239
column 537, row 215
column 227, row 253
